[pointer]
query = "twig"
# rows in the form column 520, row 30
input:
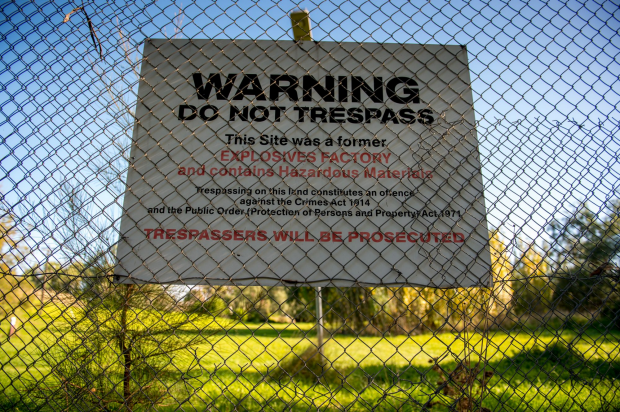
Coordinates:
column 93, row 33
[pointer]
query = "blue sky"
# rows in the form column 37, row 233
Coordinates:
column 536, row 63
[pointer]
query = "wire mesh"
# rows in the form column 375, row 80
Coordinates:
column 542, row 335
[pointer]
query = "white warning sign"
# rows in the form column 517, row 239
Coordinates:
column 318, row 163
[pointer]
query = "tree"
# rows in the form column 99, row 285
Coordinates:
column 411, row 309
column 586, row 249
column 120, row 344
column 588, row 240
column 355, row 310
column 501, row 268
column 531, row 282
column 15, row 290
column 302, row 303
column 419, row 309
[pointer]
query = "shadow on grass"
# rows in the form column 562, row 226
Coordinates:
column 261, row 330
column 553, row 376
column 558, row 374
column 266, row 332
column 13, row 402
column 561, row 376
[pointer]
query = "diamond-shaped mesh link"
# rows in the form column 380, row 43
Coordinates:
column 545, row 88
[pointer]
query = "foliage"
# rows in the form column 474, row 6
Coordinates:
column 123, row 340
column 302, row 302
column 587, row 239
column 206, row 300
column 122, row 344
column 56, row 277
column 376, row 311
column 501, row 268
column 586, row 249
column 462, row 388
column 15, row 289
column 429, row 309
column 355, row 310
column 416, row 310
column 531, row 282
column 254, row 303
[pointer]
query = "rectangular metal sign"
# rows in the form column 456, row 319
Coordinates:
column 322, row 164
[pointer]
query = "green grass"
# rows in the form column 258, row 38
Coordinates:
column 561, row 369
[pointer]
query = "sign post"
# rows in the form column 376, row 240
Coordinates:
column 302, row 31
column 319, row 324
column 13, row 326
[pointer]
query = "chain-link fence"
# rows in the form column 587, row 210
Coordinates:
column 414, row 207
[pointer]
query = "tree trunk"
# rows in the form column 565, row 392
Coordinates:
column 125, row 348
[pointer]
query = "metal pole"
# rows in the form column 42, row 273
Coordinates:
column 46, row 270
column 302, row 31
column 319, row 322
column 13, row 326
column 319, row 316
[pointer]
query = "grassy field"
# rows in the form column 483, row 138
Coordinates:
column 553, row 369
